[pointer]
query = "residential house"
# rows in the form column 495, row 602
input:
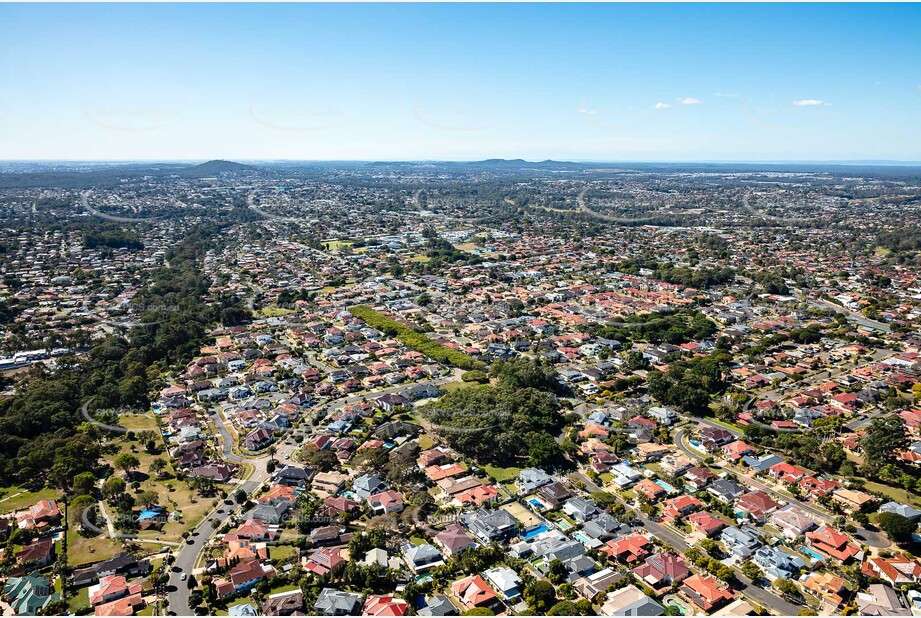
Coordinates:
column 332, row 602
column 384, row 605
column 472, row 592
column 740, row 542
column 793, row 521
column 881, row 600
column 777, row 563
column 454, row 540
column 705, row 592
column 505, row 582
column 662, row 569
column 289, row 603
column 833, row 544
column 630, row 601
column 757, row 505
column 421, row 558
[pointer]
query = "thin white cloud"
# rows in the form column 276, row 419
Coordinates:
column 689, row 101
column 810, row 103
column 661, row 105
column 729, row 95
column 582, row 110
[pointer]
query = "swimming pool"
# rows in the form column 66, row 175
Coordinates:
column 681, row 608
column 582, row 538
column 537, row 504
column 534, row 531
column 818, row 557
column 666, row 486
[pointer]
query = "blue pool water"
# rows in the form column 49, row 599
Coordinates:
column 534, row 531
column 815, row 555
column 694, row 443
column 537, row 504
column 681, row 608
column 581, row 538
column 666, row 487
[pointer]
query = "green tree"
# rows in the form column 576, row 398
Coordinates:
column 898, row 527
column 543, row 450
column 884, row 437
column 84, row 483
column 540, row 596
column 113, row 487
column 564, row 608
column 126, row 462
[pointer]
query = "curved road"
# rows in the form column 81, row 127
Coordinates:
column 762, row 596
column 185, row 560
column 870, row 538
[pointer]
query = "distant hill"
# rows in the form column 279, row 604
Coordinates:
column 212, row 168
column 109, row 175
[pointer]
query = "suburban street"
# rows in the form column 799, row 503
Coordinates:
column 188, row 554
column 765, row 598
column 869, row 537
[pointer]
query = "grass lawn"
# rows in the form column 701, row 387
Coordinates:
column 731, row 426
column 272, row 312
column 147, row 611
column 606, row 478
column 12, row 502
column 282, row 552
column 454, row 386
column 896, row 493
column 79, row 601
column 502, row 474
column 173, row 494
column 334, row 245
column 417, row 540
column 420, row 258
column 425, row 442
column 138, row 422
column 286, row 588
column 85, row 550
column 288, row 534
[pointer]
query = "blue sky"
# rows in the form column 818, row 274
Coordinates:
column 603, row 82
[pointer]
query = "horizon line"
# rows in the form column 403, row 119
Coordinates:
column 886, row 162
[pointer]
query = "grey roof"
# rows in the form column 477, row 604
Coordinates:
column 438, row 605
column 901, row 509
column 763, row 463
column 332, row 602
column 726, row 488
column 243, row 609
column 421, row 554
column 643, row 607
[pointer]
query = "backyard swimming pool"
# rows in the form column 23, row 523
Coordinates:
column 818, row 557
column 681, row 608
column 666, row 486
column 534, row 532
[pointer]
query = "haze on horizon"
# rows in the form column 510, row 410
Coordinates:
column 461, row 82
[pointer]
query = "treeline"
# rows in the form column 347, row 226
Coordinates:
column 514, row 420
column 111, row 237
column 691, row 384
column 699, row 278
column 668, row 327
column 906, row 240
column 42, row 435
column 412, row 339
